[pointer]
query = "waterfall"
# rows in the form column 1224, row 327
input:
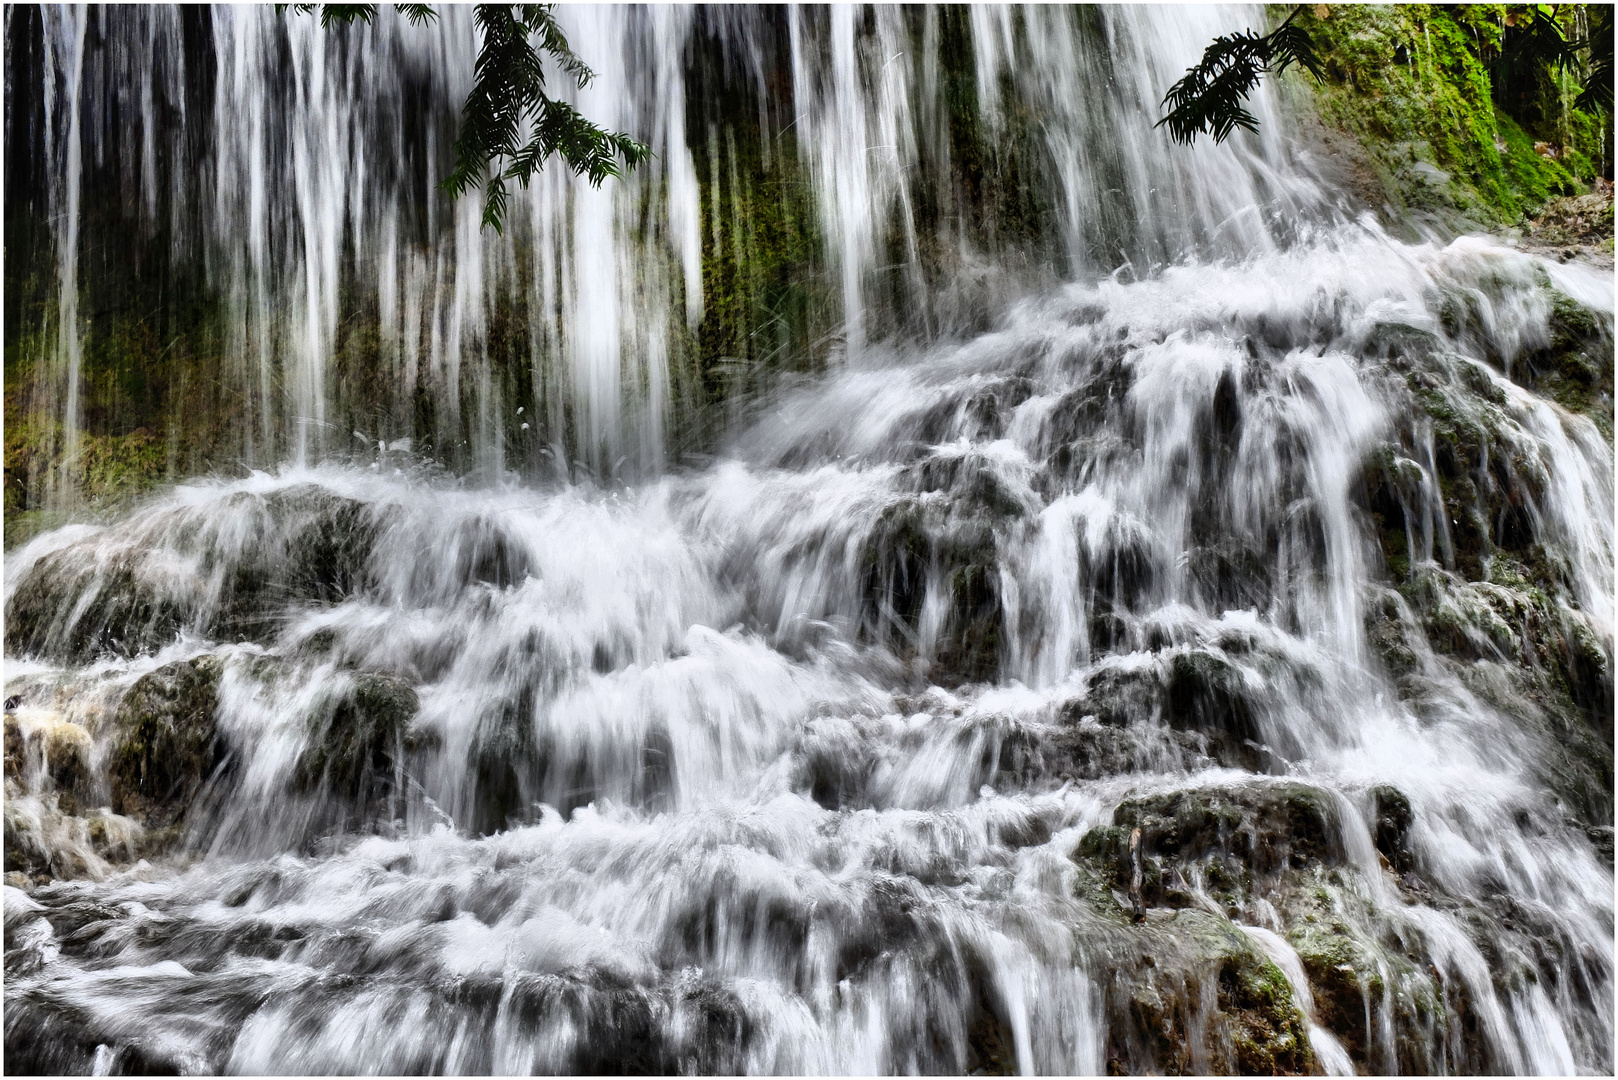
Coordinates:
column 923, row 575
column 313, row 155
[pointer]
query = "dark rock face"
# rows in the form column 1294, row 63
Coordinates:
column 1214, row 843
column 353, row 750
column 126, row 614
column 1479, row 581
column 1392, row 826
column 1207, row 852
column 168, row 744
column 923, row 544
column 297, row 545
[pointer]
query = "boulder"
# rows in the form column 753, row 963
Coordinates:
column 168, row 745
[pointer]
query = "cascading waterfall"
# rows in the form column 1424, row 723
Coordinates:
column 298, row 167
column 1203, row 665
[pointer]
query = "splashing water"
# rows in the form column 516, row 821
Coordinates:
column 825, row 757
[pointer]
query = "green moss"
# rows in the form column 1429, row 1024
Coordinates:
column 1268, row 1032
column 1413, row 83
column 1193, row 990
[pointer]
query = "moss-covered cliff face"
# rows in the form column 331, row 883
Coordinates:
column 1449, row 130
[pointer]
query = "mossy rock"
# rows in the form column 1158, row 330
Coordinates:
column 319, row 552
column 14, row 748
column 1347, row 970
column 1267, row 1033
column 1207, row 692
column 168, row 745
column 63, row 749
column 920, row 543
column 1083, row 748
column 1190, row 993
column 354, row 747
column 1392, row 638
column 1266, row 828
column 1201, row 695
column 1401, row 343
column 1342, row 973
column 71, row 606
column 1575, row 369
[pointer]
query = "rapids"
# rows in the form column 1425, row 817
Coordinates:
column 820, row 755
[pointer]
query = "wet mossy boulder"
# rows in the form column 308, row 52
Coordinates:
column 920, row 544
column 1393, row 636
column 1575, row 367
column 1267, row 1034
column 1391, row 826
column 1400, row 343
column 76, row 605
column 894, row 562
column 1190, row 993
column 1081, row 747
column 1361, row 978
column 1207, row 692
column 1198, row 693
column 1217, row 839
column 314, row 547
column 167, row 743
column 45, row 748
column 356, row 742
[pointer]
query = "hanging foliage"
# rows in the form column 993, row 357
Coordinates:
column 508, row 94
column 1209, row 99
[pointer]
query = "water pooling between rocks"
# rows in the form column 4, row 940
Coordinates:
column 827, row 757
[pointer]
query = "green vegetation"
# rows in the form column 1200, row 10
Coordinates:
column 1209, row 98
column 1459, row 109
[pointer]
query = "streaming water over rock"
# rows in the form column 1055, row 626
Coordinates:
column 1204, row 667
column 286, row 175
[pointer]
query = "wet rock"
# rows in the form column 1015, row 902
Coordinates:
column 1191, row 994
column 1084, row 748
column 25, row 853
column 49, row 756
column 1392, row 826
column 1217, row 840
column 919, row 545
column 1207, row 693
column 895, row 559
column 77, row 604
column 1199, row 696
column 1400, row 343
column 1393, row 638
column 1575, row 367
column 1381, row 999
column 354, row 746
column 13, row 747
column 167, row 743
column 315, row 548
column 486, row 555
column 1267, row 1034
column 1601, row 837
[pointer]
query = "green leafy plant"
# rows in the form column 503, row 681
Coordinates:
column 509, row 91
column 1539, row 40
column 1209, row 99
column 1597, row 92
column 347, row 13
